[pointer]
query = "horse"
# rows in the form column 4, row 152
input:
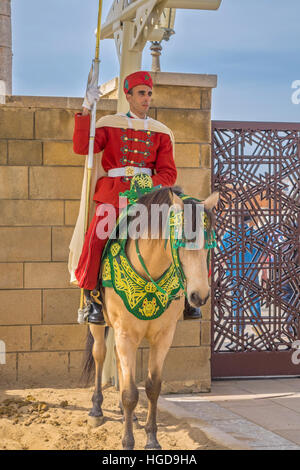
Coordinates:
column 129, row 331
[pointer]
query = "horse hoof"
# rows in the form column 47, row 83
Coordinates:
column 152, row 446
column 95, row 421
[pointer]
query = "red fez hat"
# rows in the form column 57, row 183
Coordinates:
column 137, row 78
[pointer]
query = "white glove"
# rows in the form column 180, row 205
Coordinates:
column 92, row 93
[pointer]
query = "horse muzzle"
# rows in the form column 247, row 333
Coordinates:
column 196, row 300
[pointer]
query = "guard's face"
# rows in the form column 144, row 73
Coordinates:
column 140, row 100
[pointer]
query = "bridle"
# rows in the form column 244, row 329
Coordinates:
column 177, row 240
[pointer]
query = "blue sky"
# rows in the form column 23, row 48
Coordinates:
column 253, row 46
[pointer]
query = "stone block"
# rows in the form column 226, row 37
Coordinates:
column 27, row 212
column 195, row 182
column 45, row 102
column 187, row 155
column 183, row 364
column 71, row 212
column 24, row 152
column 205, row 99
column 56, row 124
column 205, row 152
column 58, row 337
column 46, row 275
column 152, row 113
column 165, row 96
column 187, row 334
column 8, row 371
column 42, row 368
column 13, row 182
column 16, row 338
column 25, row 244
column 16, row 123
column 21, row 307
column 205, row 333
column 61, row 153
column 11, row 276
column 187, row 364
column 189, row 126
column 75, row 366
column 3, row 152
column 60, row 305
column 55, row 183
column 205, row 81
column 206, row 310
column 61, row 237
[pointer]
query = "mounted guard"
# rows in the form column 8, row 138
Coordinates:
column 129, row 144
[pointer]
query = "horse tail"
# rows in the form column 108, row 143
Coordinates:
column 88, row 368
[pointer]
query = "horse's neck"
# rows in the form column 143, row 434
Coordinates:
column 155, row 257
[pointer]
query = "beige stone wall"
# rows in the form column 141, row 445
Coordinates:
column 40, row 185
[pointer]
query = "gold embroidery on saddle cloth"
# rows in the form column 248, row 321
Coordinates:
column 149, row 308
column 106, row 274
column 140, row 296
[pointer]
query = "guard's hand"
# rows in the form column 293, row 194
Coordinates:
column 92, row 93
column 85, row 111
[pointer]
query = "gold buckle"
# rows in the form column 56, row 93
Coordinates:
column 129, row 170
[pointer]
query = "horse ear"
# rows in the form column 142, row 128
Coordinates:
column 211, row 201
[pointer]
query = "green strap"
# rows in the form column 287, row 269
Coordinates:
column 148, row 274
column 145, row 268
column 177, row 263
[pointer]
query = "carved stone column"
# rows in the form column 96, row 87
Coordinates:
column 155, row 49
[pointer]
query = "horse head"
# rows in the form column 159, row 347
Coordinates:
column 183, row 236
column 194, row 253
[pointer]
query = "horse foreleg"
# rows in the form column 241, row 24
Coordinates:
column 153, row 387
column 126, row 351
column 120, row 379
column 134, row 417
column 158, row 352
column 99, row 352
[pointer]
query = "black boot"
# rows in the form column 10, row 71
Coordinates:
column 94, row 306
column 191, row 313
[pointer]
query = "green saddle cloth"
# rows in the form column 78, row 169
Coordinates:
column 140, row 296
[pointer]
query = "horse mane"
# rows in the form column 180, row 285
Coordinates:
column 164, row 196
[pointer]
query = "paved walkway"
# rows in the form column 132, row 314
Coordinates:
column 250, row 414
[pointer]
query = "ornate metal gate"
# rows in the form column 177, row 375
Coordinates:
column 256, row 273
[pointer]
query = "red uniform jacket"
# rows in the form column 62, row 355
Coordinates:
column 126, row 147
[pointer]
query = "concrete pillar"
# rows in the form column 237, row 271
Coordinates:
column 5, row 48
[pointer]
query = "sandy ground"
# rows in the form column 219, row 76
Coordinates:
column 57, row 419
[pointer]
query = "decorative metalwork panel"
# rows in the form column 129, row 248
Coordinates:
column 256, row 273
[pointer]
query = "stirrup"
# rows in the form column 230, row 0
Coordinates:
column 96, row 296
